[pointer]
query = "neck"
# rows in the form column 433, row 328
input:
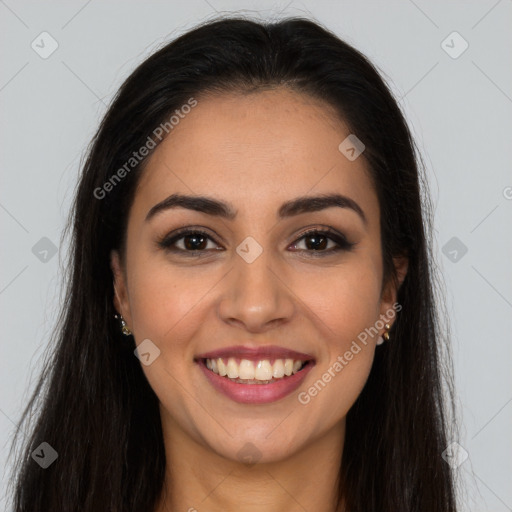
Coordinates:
column 198, row 479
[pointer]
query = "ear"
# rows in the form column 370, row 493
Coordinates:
column 390, row 292
column 121, row 301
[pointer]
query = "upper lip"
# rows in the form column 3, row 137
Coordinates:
column 256, row 353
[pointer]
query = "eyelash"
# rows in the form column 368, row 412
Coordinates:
column 343, row 244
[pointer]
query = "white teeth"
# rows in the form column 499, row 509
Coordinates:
column 254, row 370
column 221, row 368
column 263, row 370
column 232, row 369
column 246, row 369
column 278, row 369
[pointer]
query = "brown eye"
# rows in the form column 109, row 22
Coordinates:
column 322, row 242
column 188, row 241
column 316, row 241
column 195, row 242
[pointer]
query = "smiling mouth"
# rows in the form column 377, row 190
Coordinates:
column 247, row 371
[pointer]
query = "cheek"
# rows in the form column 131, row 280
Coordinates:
column 345, row 306
column 344, row 301
column 161, row 296
column 169, row 308
column 165, row 304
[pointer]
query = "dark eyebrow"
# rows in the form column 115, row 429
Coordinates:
column 307, row 204
column 210, row 206
column 201, row 204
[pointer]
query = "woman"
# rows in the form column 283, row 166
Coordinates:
column 250, row 320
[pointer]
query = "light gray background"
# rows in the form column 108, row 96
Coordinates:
column 460, row 111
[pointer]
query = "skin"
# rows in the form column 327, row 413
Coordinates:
column 255, row 152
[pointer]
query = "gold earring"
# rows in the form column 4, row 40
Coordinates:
column 386, row 333
column 124, row 328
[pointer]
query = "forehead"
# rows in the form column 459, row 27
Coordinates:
column 256, row 151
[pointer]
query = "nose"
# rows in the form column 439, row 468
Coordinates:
column 256, row 296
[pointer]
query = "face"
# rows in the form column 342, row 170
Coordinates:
column 262, row 285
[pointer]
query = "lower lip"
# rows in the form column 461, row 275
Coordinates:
column 256, row 393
